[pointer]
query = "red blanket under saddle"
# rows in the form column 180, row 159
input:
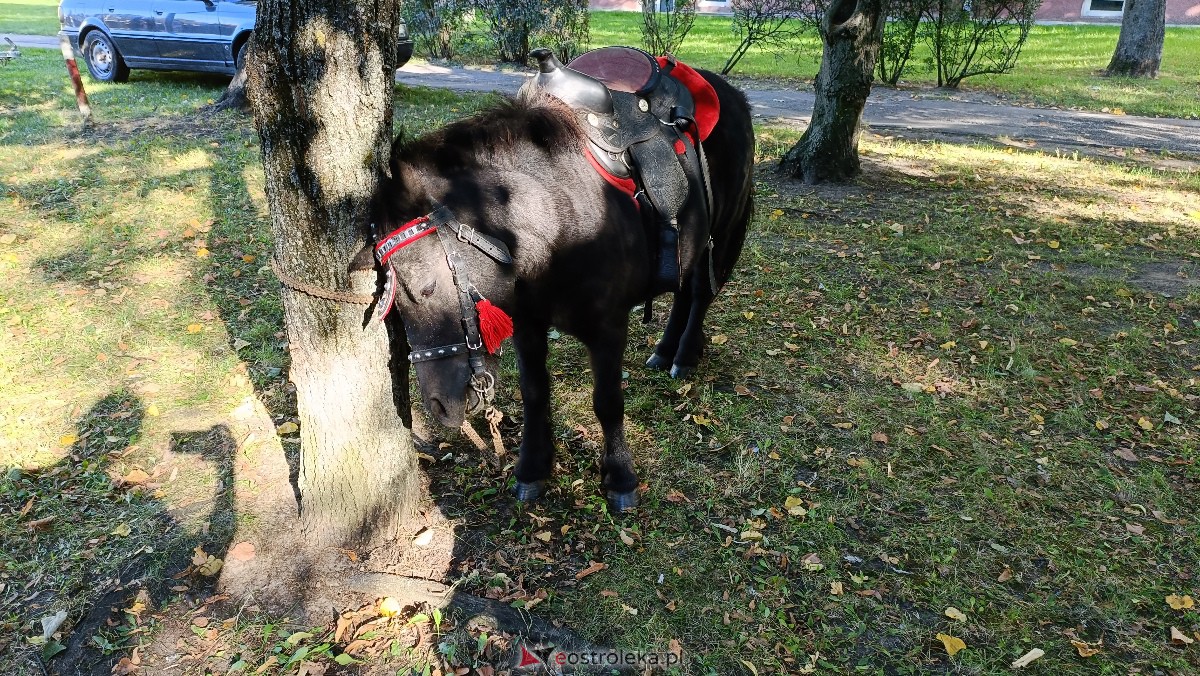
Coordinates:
column 708, row 107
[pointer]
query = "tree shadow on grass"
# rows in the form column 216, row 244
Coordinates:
column 97, row 526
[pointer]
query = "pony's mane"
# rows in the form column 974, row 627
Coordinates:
column 495, row 133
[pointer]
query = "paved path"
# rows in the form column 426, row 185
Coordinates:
column 926, row 113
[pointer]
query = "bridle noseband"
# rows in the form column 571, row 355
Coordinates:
column 484, row 325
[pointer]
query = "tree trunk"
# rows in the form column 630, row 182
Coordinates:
column 1139, row 48
column 828, row 151
column 321, row 83
column 235, row 94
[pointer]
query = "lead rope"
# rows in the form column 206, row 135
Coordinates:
column 493, row 416
column 317, row 291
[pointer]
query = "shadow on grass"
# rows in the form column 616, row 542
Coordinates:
column 89, row 515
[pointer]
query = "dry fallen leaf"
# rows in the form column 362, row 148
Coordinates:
column 835, row 588
column 1086, row 649
column 206, row 564
column 879, row 437
column 288, row 427
column 544, row 536
column 625, row 538
column 122, row 530
column 1126, row 454
column 1180, row 638
column 794, row 505
column 952, row 644
column 195, row 328
column 1145, row 424
column 1028, row 658
column 1005, row 575
column 135, row 477
column 1178, row 602
column 389, row 607
column 242, row 551
column 1136, row 529
column 596, row 567
column 956, row 614
column 720, row 339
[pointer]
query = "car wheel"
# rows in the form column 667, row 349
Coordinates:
column 104, row 62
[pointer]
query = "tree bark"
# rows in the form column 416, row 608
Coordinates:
column 320, row 83
column 828, row 151
column 1140, row 45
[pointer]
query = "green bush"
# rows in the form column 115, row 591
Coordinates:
column 974, row 37
column 436, row 25
column 665, row 23
column 517, row 26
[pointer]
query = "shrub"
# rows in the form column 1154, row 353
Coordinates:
column 435, row 25
column 899, row 37
column 665, row 23
column 567, row 31
column 516, row 26
column 973, row 37
column 766, row 23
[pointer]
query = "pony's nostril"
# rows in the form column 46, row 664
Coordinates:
column 438, row 409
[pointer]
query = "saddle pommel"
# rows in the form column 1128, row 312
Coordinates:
column 576, row 89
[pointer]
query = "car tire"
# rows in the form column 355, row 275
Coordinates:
column 103, row 60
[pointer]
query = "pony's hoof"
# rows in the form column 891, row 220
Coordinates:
column 528, row 492
column 658, row 363
column 619, row 503
column 682, row 372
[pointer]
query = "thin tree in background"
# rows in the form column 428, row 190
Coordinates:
column 665, row 25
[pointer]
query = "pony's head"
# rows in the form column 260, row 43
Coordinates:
column 447, row 191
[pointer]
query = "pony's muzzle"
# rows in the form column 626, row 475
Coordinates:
column 447, row 412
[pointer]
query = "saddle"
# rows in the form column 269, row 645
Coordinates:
column 643, row 137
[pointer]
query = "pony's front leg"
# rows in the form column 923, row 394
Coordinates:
column 536, row 459
column 606, row 350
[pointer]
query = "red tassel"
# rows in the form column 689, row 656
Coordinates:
column 494, row 325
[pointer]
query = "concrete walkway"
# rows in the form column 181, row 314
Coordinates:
column 925, row 113
column 918, row 114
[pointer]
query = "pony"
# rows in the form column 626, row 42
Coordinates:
column 528, row 228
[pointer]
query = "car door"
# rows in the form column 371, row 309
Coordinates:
column 132, row 26
column 190, row 34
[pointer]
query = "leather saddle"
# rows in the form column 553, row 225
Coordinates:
column 640, row 125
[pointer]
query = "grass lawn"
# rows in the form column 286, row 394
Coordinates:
column 957, row 398
column 28, row 17
column 1060, row 65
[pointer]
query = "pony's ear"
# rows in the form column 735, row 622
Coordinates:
column 363, row 260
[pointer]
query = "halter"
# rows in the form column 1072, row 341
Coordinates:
column 484, row 325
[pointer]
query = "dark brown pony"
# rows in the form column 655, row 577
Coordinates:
column 580, row 261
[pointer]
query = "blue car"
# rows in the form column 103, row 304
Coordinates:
column 114, row 36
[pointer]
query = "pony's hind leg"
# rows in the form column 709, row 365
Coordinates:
column 664, row 352
column 691, row 339
column 606, row 347
column 537, row 443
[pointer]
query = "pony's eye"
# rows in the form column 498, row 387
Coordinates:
column 428, row 289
